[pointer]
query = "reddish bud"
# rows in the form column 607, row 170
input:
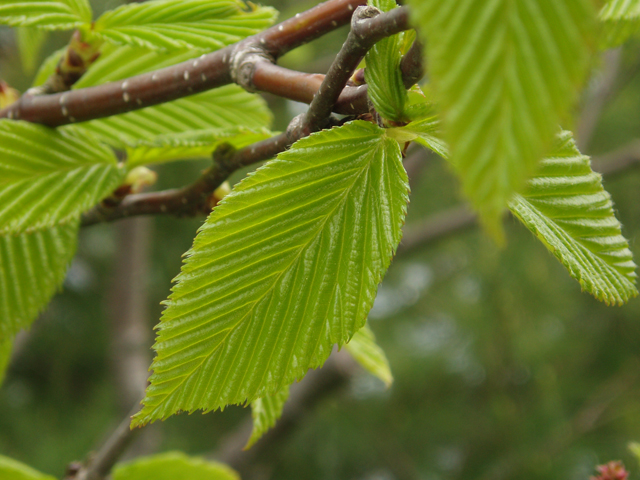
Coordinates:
column 8, row 95
column 611, row 471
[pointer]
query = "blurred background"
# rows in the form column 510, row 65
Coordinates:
column 503, row 368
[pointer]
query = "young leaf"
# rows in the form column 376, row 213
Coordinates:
column 285, row 267
column 621, row 19
column 30, row 42
column 48, row 176
column 227, row 107
column 386, row 90
column 426, row 132
column 265, row 412
column 33, row 268
column 202, row 25
column 5, row 355
column 46, row 14
column 367, row 352
column 190, row 144
column 13, row 470
column 120, row 62
column 566, row 207
column 506, row 73
column 173, row 466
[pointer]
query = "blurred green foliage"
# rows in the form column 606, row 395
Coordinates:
column 503, row 368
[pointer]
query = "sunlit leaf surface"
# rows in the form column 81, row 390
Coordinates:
column 284, row 268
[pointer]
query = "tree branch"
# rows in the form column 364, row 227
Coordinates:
column 368, row 25
column 193, row 199
column 204, row 73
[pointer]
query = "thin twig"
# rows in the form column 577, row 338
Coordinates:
column 368, row 26
column 192, row 199
column 104, row 459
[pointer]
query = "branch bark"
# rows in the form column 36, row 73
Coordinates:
column 209, row 71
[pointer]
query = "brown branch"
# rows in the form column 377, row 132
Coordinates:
column 368, row 26
column 192, row 199
column 412, row 66
column 184, row 79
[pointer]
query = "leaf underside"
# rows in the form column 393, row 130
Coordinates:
column 173, row 466
column 284, row 268
column 202, row 25
column 48, row 176
column 566, row 207
column 265, row 412
column 367, row 352
column 506, row 73
column 46, row 14
column 33, row 266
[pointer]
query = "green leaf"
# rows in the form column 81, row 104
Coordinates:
column 173, row 466
column 30, row 42
column 634, row 448
column 427, row 132
column 33, row 269
column 48, row 176
column 506, row 73
column 117, row 63
column 190, row 144
column 286, row 266
column 6, row 346
column 367, row 352
column 621, row 20
column 265, row 412
column 13, row 470
column 223, row 108
column 566, row 208
column 202, row 25
column 386, row 89
column 46, row 14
